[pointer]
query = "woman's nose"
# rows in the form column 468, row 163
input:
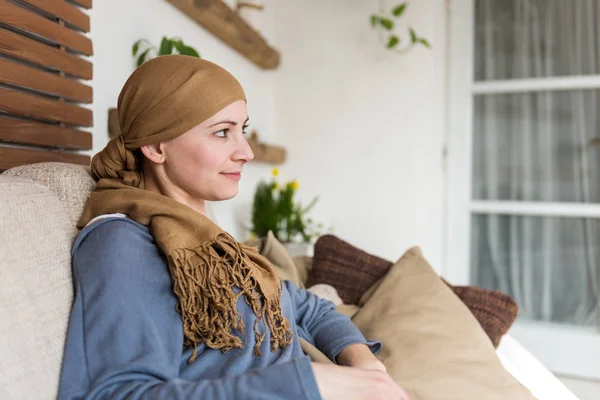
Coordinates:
column 243, row 151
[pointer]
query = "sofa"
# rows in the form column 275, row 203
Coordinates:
column 39, row 207
column 38, row 210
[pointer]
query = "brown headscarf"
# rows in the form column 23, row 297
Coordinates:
column 162, row 99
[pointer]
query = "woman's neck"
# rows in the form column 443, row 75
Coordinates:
column 162, row 186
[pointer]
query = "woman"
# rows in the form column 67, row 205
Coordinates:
column 167, row 305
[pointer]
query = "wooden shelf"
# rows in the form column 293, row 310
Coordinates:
column 265, row 152
column 223, row 22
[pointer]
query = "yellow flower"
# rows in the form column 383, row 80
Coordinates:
column 275, row 172
column 295, row 185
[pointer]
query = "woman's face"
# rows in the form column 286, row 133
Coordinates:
column 206, row 162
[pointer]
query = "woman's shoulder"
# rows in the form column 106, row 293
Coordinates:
column 112, row 229
column 116, row 260
column 115, row 241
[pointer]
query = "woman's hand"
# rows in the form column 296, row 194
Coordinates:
column 344, row 383
column 359, row 356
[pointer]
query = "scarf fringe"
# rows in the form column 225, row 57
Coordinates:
column 203, row 281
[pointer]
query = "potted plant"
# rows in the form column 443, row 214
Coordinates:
column 275, row 209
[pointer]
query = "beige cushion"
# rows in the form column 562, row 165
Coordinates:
column 274, row 251
column 432, row 344
column 35, row 288
column 326, row 292
column 303, row 267
column 315, row 354
column 71, row 183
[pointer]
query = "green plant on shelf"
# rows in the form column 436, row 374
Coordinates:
column 167, row 46
column 275, row 209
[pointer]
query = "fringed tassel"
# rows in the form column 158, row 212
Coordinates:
column 203, row 281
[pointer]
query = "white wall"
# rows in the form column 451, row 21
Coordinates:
column 117, row 24
column 363, row 127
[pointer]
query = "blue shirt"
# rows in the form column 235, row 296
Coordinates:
column 125, row 337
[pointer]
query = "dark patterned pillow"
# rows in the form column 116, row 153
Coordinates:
column 348, row 269
column 494, row 310
column 353, row 271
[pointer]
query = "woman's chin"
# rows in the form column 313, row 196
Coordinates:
column 226, row 195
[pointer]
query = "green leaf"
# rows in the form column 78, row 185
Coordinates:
column 178, row 45
column 166, row 47
column 399, row 10
column 374, row 20
column 265, row 217
column 185, row 50
column 142, row 57
column 387, row 23
column 393, row 42
column 424, row 42
column 136, row 46
column 310, row 205
column 189, row 51
column 413, row 35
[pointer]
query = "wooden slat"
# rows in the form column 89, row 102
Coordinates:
column 21, row 18
column 14, row 157
column 65, row 11
column 30, row 50
column 219, row 19
column 83, row 3
column 29, row 105
column 19, row 131
column 32, row 78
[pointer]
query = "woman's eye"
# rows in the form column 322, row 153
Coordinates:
column 222, row 133
column 244, row 129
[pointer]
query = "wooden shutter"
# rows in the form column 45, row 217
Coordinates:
column 45, row 74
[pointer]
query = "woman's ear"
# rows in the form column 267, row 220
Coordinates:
column 154, row 152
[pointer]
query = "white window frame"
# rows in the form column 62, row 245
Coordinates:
column 459, row 206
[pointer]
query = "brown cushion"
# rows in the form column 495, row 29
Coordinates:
column 352, row 272
column 432, row 344
column 494, row 310
column 348, row 269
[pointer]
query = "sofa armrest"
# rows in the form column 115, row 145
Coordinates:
column 531, row 372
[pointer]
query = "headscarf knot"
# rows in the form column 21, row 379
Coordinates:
column 116, row 161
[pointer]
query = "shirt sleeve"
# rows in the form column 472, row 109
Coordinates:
column 129, row 344
column 322, row 326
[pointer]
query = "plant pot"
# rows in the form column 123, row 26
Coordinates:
column 299, row 249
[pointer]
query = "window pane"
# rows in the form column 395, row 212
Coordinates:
column 536, row 38
column 537, row 146
column 551, row 266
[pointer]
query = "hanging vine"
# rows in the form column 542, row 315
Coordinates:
column 385, row 23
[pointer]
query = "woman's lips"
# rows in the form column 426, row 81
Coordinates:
column 236, row 176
